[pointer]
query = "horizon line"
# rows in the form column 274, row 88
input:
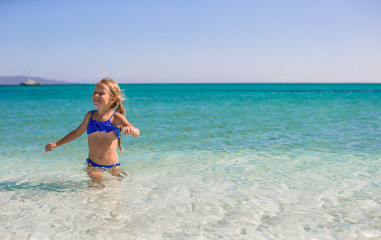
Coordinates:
column 217, row 83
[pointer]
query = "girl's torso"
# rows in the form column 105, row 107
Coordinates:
column 102, row 141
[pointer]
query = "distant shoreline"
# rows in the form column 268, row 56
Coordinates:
column 17, row 80
column 210, row 83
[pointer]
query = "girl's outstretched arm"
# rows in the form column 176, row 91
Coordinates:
column 127, row 128
column 71, row 136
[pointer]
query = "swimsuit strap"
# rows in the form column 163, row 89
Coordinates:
column 112, row 116
column 91, row 117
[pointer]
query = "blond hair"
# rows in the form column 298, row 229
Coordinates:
column 119, row 95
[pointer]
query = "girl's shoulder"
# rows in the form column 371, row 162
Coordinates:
column 89, row 114
column 119, row 119
column 118, row 115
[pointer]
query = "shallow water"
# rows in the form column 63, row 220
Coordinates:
column 214, row 161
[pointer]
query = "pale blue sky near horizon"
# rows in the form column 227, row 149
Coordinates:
column 192, row 41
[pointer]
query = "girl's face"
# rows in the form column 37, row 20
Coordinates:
column 102, row 96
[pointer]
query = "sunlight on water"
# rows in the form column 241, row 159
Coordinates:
column 213, row 162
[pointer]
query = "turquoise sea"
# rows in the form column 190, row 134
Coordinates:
column 214, row 161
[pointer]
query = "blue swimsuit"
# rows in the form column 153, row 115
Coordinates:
column 94, row 126
column 100, row 166
column 100, row 126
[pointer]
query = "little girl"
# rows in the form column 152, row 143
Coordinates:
column 103, row 127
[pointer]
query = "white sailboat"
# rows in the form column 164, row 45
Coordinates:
column 30, row 82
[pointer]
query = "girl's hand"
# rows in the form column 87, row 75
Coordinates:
column 50, row 146
column 129, row 130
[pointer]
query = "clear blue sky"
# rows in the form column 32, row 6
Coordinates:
column 193, row 40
